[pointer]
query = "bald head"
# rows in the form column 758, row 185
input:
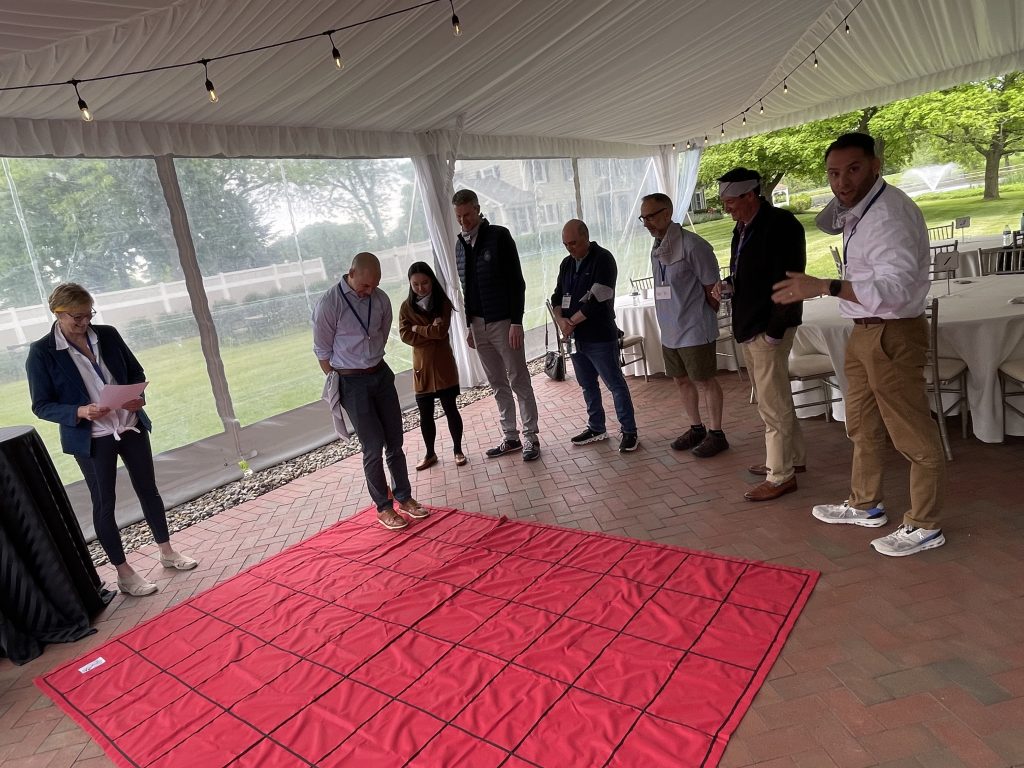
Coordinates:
column 364, row 274
column 576, row 238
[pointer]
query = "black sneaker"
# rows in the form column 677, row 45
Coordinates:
column 710, row 446
column 531, row 449
column 629, row 442
column 689, row 440
column 588, row 436
column 505, row 446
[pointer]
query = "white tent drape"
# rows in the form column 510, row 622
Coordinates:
column 686, row 181
column 665, row 171
column 434, row 173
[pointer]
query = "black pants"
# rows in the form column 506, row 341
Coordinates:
column 371, row 401
column 100, row 470
column 425, row 402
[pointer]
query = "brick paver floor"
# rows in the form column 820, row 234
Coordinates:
column 904, row 662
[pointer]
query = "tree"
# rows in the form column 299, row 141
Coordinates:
column 986, row 117
column 335, row 243
column 800, row 152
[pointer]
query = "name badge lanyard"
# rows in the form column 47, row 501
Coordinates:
column 95, row 361
column 369, row 311
column 867, row 208
column 662, row 272
column 744, row 238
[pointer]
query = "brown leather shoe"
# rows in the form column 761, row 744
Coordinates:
column 767, row 491
column 762, row 470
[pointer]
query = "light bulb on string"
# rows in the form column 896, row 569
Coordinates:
column 673, row 146
column 815, row 59
column 335, row 53
column 456, row 25
column 785, row 88
column 761, row 110
column 687, row 145
column 723, row 129
column 82, row 106
column 211, row 92
column 744, row 118
column 847, row 20
column 705, row 139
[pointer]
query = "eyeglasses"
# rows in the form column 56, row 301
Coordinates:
column 80, row 318
column 646, row 218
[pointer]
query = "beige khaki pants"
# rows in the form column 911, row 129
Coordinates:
column 768, row 366
column 886, row 392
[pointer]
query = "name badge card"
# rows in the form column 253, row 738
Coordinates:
column 566, row 301
column 663, row 292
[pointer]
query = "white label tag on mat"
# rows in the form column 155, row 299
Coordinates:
column 92, row 665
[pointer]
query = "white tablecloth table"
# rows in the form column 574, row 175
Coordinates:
column 976, row 323
column 640, row 319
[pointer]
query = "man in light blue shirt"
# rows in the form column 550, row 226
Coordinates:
column 351, row 322
column 685, row 273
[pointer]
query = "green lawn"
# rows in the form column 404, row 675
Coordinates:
column 272, row 375
column 987, row 218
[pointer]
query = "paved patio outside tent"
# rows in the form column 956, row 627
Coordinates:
column 895, row 662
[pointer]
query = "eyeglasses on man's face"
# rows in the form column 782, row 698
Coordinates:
column 82, row 317
column 647, row 217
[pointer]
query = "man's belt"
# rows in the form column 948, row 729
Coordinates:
column 868, row 320
column 359, row 371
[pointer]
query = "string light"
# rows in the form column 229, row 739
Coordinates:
column 673, row 146
column 335, row 53
column 209, row 83
column 687, row 145
column 86, row 114
column 456, row 26
column 813, row 57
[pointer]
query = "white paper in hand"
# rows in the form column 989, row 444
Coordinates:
column 114, row 396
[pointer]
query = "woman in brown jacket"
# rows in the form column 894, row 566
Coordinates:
column 423, row 324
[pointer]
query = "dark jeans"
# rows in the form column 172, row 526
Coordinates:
column 371, row 401
column 425, row 401
column 601, row 358
column 100, row 470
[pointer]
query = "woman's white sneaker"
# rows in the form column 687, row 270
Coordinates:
column 908, row 540
column 844, row 513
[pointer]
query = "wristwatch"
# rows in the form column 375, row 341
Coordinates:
column 834, row 287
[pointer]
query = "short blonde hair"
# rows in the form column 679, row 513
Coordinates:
column 68, row 296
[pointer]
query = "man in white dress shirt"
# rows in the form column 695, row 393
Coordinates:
column 885, row 285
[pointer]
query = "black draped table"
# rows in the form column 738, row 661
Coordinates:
column 49, row 588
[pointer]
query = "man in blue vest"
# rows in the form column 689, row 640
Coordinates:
column 495, row 297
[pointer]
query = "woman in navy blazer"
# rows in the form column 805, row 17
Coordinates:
column 67, row 369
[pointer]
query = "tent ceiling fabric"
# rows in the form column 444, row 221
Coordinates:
column 532, row 77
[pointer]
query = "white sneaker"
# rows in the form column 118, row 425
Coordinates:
column 844, row 513
column 908, row 540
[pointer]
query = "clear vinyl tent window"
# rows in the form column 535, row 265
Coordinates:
column 611, row 190
column 271, row 236
column 103, row 224
column 526, row 196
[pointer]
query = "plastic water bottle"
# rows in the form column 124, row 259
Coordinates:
column 1007, row 237
column 636, row 298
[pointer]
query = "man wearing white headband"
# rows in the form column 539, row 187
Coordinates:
column 766, row 242
column 883, row 292
column 685, row 274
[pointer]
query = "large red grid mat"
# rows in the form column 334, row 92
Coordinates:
column 465, row 640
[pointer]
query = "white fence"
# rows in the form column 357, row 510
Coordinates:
column 22, row 325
